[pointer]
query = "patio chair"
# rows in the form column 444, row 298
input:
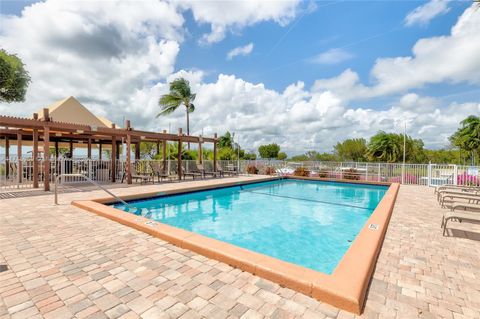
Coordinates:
column 461, row 212
column 452, row 187
column 450, row 200
column 457, row 191
column 201, row 169
column 194, row 173
column 143, row 177
column 227, row 172
column 231, row 170
column 161, row 173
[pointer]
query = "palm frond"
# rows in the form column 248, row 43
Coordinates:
column 191, row 108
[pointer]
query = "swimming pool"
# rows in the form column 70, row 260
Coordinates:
column 308, row 223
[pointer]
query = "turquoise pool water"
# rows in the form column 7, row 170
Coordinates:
column 307, row 223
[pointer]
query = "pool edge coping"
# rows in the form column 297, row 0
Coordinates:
column 345, row 288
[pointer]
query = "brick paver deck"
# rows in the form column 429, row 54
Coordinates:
column 67, row 263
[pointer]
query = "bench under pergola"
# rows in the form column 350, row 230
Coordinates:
column 47, row 131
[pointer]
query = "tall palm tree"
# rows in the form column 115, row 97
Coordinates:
column 180, row 94
column 225, row 141
column 467, row 137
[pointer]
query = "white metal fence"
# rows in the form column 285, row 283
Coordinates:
column 17, row 173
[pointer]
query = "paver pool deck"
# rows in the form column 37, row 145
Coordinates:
column 65, row 262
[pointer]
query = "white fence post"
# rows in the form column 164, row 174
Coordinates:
column 366, row 172
column 455, row 174
column 429, row 181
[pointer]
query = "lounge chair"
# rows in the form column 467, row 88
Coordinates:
column 201, row 169
column 457, row 191
column 228, row 171
column 161, row 173
column 452, row 187
column 452, row 199
column 231, row 169
column 194, row 173
column 461, row 212
column 143, row 177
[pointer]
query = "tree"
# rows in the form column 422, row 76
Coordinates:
column 353, row 149
column 385, row 147
column 467, row 137
column 226, row 154
column 14, row 79
column 388, row 147
column 269, row 150
column 180, row 93
column 225, row 140
column 250, row 156
column 444, row 156
column 282, row 156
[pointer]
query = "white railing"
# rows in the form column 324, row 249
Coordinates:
column 17, row 173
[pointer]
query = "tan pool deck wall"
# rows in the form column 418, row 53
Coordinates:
column 345, row 288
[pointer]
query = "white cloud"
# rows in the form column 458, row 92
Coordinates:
column 224, row 16
column 118, row 65
column 103, row 53
column 444, row 59
column 242, row 50
column 423, row 14
column 332, row 56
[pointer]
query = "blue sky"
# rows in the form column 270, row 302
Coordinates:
column 320, row 66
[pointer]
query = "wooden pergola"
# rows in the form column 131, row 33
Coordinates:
column 26, row 129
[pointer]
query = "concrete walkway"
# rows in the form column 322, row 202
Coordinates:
column 67, row 263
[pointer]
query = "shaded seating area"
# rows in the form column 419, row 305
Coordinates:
column 52, row 129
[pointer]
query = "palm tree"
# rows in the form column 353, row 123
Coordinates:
column 467, row 137
column 385, row 147
column 225, row 141
column 180, row 93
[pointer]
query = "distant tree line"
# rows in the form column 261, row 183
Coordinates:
column 388, row 147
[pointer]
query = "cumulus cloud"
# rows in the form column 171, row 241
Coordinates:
column 102, row 53
column 423, row 14
column 118, row 65
column 242, row 50
column 299, row 119
column 452, row 58
column 224, row 16
column 332, row 56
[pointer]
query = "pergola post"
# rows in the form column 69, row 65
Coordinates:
column 89, row 148
column 35, row 154
column 114, row 155
column 137, row 151
column 19, row 158
column 179, row 157
column 35, row 158
column 158, row 148
column 56, row 149
column 200, row 155
column 128, row 164
column 7, row 156
column 71, row 148
column 46, row 151
column 164, row 151
column 100, row 150
column 215, row 152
